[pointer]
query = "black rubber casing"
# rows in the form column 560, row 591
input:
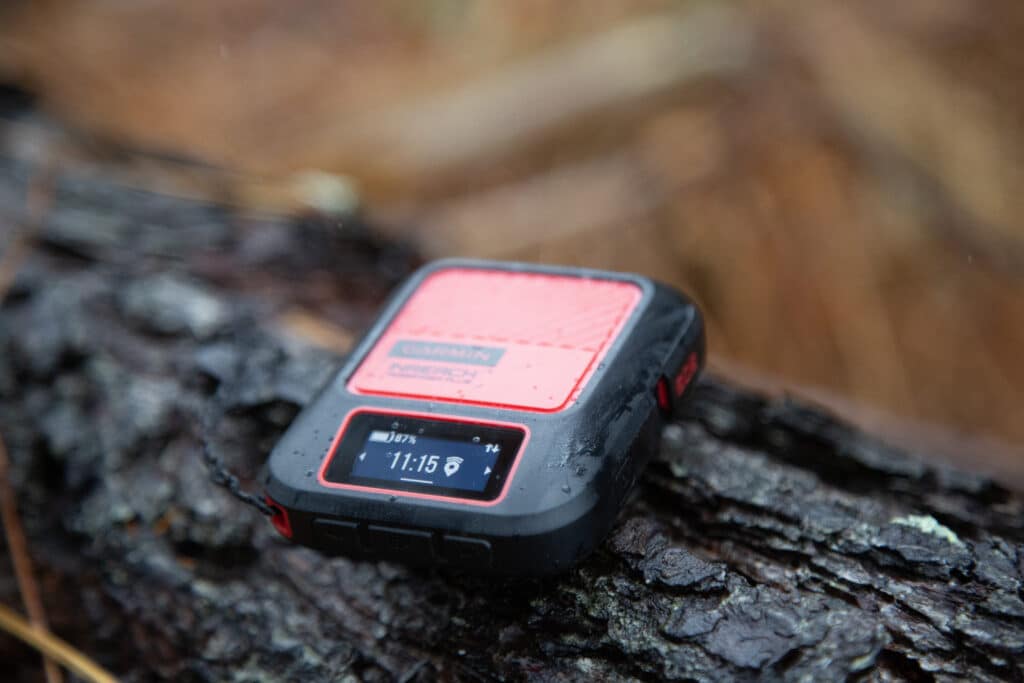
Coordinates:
column 573, row 477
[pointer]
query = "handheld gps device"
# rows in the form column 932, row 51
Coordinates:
column 493, row 419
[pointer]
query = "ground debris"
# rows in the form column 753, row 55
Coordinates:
column 167, row 304
column 769, row 541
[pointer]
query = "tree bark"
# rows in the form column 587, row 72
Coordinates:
column 768, row 541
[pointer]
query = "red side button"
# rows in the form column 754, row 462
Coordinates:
column 685, row 375
column 668, row 391
column 664, row 400
column 279, row 518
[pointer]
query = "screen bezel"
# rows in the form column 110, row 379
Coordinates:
column 336, row 471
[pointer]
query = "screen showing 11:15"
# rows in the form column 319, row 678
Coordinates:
column 417, row 459
column 445, row 458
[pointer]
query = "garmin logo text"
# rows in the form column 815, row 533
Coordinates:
column 447, row 353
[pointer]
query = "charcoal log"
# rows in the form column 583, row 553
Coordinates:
column 768, row 541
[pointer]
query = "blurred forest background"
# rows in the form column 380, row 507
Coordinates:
column 839, row 183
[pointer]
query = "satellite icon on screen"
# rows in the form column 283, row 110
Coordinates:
column 451, row 465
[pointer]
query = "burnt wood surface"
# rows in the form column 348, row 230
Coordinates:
column 768, row 541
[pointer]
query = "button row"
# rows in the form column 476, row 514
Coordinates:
column 402, row 544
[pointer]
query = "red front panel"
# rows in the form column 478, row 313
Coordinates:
column 497, row 338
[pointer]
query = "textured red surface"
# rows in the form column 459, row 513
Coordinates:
column 549, row 330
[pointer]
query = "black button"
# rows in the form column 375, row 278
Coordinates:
column 401, row 544
column 336, row 535
column 472, row 553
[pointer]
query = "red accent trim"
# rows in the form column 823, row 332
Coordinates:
column 423, row 496
column 685, row 374
column 662, row 390
column 280, row 518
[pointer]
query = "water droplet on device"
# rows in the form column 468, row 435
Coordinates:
column 566, row 488
column 309, row 473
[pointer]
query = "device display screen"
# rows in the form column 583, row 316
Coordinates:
column 424, row 456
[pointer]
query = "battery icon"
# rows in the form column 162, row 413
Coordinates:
column 380, row 436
